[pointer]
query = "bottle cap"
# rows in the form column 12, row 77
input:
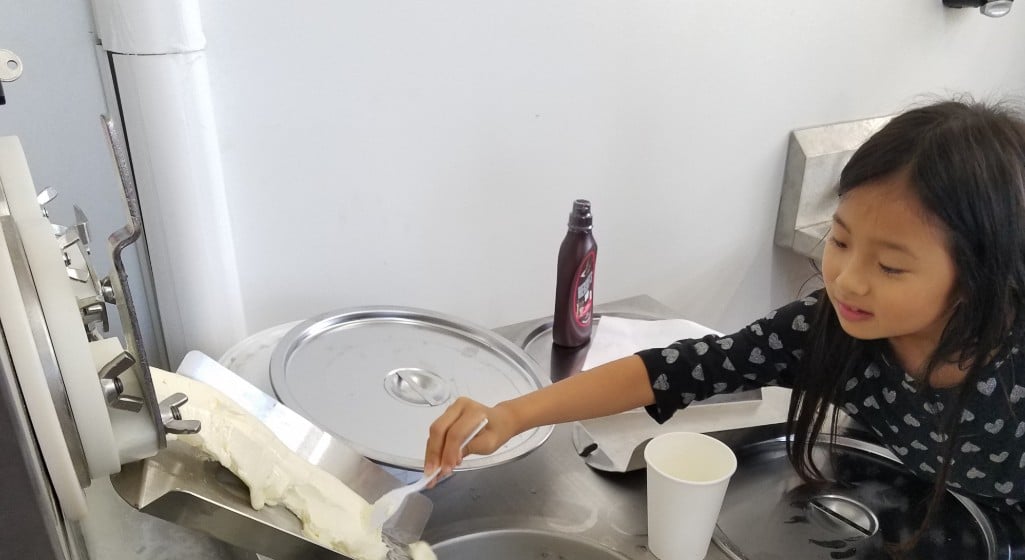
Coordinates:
column 580, row 217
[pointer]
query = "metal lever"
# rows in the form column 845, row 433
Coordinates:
column 172, row 418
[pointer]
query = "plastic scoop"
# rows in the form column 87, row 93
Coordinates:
column 388, row 504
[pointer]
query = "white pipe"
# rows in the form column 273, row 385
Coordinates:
column 149, row 26
column 164, row 93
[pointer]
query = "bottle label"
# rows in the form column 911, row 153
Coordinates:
column 583, row 291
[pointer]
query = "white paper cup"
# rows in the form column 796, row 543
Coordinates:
column 687, row 478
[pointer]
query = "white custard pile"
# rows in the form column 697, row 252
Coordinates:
column 331, row 513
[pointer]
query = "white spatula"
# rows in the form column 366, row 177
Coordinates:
column 388, row 504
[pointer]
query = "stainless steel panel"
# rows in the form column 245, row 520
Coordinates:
column 179, row 487
column 30, row 523
column 815, row 157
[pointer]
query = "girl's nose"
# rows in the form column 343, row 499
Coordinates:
column 853, row 280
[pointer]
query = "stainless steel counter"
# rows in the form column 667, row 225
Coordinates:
column 552, row 488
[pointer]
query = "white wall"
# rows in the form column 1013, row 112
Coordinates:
column 54, row 108
column 427, row 153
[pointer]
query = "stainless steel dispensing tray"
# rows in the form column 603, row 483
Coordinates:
column 181, row 486
column 377, row 377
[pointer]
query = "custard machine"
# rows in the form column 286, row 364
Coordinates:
column 78, row 408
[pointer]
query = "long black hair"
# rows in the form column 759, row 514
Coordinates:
column 966, row 163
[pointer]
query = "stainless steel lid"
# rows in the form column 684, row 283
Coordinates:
column 770, row 513
column 377, row 377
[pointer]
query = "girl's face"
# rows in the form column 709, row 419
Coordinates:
column 887, row 269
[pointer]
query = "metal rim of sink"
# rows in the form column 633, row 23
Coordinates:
column 519, row 542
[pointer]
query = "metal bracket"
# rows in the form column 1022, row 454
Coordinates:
column 120, row 291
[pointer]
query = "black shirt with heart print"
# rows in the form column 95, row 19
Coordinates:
column 989, row 454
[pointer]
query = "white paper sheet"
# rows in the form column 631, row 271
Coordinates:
column 616, row 337
column 621, row 437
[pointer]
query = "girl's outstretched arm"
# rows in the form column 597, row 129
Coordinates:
column 763, row 353
column 610, row 388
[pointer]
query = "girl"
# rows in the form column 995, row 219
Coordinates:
column 918, row 334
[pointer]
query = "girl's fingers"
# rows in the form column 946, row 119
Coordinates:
column 449, row 431
column 438, row 433
column 468, row 420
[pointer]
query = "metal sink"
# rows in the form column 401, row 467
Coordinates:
column 513, row 544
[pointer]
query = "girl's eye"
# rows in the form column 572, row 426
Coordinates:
column 837, row 243
column 890, row 270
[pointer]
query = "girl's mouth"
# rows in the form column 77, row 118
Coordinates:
column 852, row 313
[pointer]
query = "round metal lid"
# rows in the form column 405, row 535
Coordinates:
column 770, row 513
column 376, row 377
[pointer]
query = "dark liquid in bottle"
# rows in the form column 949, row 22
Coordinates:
column 574, row 286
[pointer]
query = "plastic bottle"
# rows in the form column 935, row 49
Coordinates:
column 574, row 285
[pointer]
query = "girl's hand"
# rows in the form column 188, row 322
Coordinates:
column 607, row 389
column 451, row 428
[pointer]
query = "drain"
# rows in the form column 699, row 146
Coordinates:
column 417, row 386
column 846, row 518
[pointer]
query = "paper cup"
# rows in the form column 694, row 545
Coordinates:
column 687, row 478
